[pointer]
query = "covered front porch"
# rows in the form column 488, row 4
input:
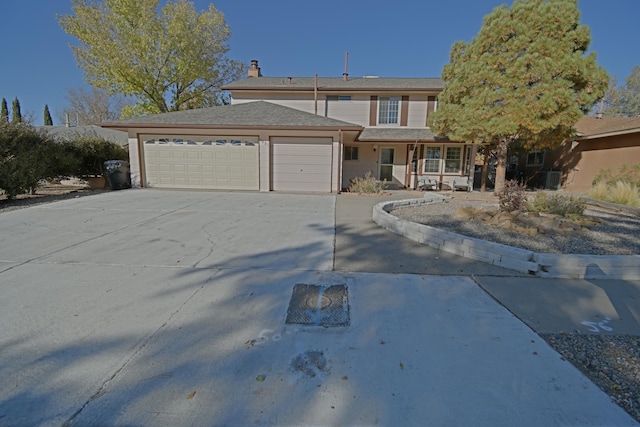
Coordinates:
column 420, row 164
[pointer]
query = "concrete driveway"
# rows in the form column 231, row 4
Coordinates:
column 148, row 307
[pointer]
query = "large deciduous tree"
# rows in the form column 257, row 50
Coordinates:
column 524, row 77
column 91, row 106
column 624, row 101
column 169, row 59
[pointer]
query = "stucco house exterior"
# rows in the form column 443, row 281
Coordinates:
column 600, row 143
column 299, row 134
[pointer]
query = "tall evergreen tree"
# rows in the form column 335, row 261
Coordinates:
column 523, row 78
column 4, row 112
column 16, row 115
column 48, row 121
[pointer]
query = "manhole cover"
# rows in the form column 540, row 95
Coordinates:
column 319, row 305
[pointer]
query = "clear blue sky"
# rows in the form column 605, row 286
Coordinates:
column 403, row 38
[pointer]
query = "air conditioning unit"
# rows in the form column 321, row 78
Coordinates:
column 549, row 180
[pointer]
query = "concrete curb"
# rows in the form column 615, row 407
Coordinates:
column 570, row 266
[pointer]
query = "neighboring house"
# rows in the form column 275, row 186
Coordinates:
column 68, row 133
column 298, row 134
column 600, row 143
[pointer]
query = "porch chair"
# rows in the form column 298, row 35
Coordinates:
column 462, row 182
column 426, row 183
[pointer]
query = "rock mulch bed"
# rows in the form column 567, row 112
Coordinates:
column 602, row 232
column 612, row 362
column 528, row 223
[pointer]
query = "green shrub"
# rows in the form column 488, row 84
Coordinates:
column 512, row 197
column 86, row 155
column 557, row 204
column 367, row 185
column 24, row 158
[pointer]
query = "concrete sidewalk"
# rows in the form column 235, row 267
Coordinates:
column 147, row 307
column 546, row 305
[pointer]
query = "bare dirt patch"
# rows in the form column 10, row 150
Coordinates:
column 48, row 193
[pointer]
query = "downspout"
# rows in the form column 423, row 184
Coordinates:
column 340, row 162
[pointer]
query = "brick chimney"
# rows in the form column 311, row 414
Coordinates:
column 254, row 71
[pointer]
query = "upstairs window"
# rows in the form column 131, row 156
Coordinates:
column 388, row 110
column 350, row 152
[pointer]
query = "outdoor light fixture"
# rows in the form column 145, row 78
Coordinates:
column 375, row 147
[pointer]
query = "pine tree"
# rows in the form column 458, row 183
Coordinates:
column 16, row 115
column 4, row 112
column 48, row 121
column 523, row 78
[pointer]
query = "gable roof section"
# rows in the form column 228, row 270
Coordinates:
column 590, row 127
column 258, row 114
column 337, row 83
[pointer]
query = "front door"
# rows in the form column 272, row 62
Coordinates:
column 386, row 164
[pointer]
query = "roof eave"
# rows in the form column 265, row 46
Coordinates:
column 582, row 136
column 329, row 89
column 120, row 126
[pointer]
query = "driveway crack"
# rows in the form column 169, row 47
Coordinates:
column 140, row 345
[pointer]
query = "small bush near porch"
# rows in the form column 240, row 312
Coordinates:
column 367, row 185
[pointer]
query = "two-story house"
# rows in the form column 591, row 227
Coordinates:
column 299, row 134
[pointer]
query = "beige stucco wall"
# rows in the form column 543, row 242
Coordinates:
column 592, row 155
column 354, row 111
column 369, row 160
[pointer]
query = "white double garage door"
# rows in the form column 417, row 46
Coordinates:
column 233, row 163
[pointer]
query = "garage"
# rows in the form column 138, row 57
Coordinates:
column 301, row 164
column 203, row 162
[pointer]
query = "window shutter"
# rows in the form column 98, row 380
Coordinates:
column 373, row 111
column 404, row 111
column 431, row 105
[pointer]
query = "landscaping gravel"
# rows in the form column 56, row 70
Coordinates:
column 612, row 362
column 618, row 234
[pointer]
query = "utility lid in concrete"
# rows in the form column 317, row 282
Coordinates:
column 317, row 305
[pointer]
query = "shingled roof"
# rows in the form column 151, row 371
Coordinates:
column 258, row 114
column 337, row 83
column 69, row 133
column 590, row 127
column 396, row 134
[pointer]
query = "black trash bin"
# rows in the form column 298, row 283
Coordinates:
column 117, row 174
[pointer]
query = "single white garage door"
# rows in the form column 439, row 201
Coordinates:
column 301, row 164
column 220, row 163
